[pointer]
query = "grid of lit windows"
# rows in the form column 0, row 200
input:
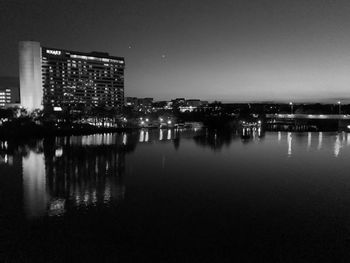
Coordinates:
column 5, row 97
column 75, row 80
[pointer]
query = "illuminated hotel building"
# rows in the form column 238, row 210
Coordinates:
column 59, row 79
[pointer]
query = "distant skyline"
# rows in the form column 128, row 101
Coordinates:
column 233, row 51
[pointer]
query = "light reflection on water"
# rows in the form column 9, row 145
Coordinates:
column 320, row 137
column 289, row 140
column 77, row 172
column 147, row 188
column 34, row 184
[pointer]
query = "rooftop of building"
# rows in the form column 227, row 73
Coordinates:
column 97, row 54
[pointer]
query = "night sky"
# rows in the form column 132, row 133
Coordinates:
column 263, row 50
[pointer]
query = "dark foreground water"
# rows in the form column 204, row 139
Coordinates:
column 166, row 196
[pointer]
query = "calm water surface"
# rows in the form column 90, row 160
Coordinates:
column 176, row 196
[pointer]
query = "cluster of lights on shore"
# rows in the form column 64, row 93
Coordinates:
column 146, row 120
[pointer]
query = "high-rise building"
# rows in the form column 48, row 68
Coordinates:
column 57, row 79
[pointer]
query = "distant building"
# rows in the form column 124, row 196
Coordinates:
column 131, row 101
column 9, row 91
column 178, row 102
column 145, row 102
column 56, row 79
column 161, row 105
column 191, row 105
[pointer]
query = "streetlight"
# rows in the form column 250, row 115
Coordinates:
column 291, row 107
column 339, row 107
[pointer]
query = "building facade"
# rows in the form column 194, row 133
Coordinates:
column 5, row 97
column 56, row 79
column 9, row 92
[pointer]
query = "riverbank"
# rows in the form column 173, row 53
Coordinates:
column 27, row 130
column 32, row 130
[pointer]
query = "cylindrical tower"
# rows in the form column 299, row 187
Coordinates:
column 30, row 75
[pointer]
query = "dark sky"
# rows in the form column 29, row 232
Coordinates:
column 296, row 50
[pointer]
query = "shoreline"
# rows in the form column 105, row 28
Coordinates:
column 43, row 132
column 37, row 132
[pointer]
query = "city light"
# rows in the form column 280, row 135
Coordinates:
column 57, row 109
column 59, row 152
column 339, row 108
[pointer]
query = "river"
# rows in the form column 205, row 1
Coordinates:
column 177, row 196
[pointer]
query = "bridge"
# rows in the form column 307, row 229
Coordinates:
column 309, row 116
column 307, row 121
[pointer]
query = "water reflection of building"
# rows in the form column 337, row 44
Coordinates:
column 79, row 171
column 11, row 181
column 83, row 173
column 339, row 143
column 309, row 138
column 6, row 157
column 61, row 174
column 216, row 139
column 251, row 133
column 146, row 135
column 34, row 184
column 22, row 165
column 320, row 137
column 68, row 172
column 337, row 146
